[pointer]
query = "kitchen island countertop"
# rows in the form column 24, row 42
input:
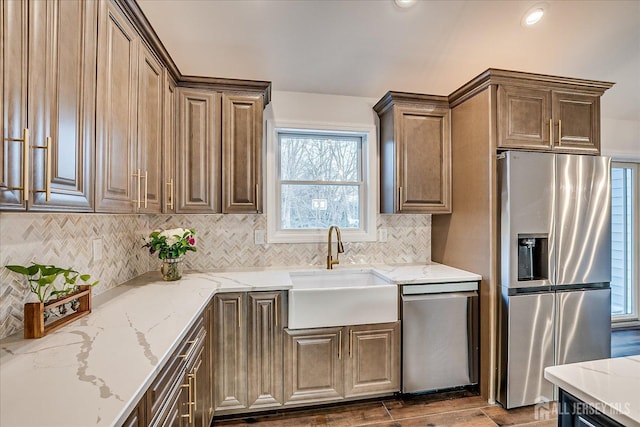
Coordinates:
column 609, row 385
column 95, row 370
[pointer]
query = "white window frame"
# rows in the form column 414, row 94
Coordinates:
column 368, row 202
column 633, row 318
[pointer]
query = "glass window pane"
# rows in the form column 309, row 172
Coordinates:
column 319, row 157
column 320, row 206
column 622, row 295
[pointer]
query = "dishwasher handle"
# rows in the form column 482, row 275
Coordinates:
column 446, row 295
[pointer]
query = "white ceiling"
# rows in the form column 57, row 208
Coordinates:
column 367, row 47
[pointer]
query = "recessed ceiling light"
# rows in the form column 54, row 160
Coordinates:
column 534, row 14
column 405, row 3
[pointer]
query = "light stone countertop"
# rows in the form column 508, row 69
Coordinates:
column 94, row 371
column 612, row 386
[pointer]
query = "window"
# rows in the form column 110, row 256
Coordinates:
column 624, row 241
column 321, row 177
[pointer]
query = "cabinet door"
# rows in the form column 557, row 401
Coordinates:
column 313, row 366
column 116, row 111
column 577, row 120
column 62, row 85
column 169, row 146
column 241, row 153
column 198, row 150
column 373, row 362
column 150, row 137
column 424, row 157
column 265, row 350
column 524, row 117
column 230, row 365
column 13, row 91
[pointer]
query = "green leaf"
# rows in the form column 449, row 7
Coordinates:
column 19, row 269
column 85, row 277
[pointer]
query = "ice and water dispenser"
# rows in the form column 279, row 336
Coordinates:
column 533, row 256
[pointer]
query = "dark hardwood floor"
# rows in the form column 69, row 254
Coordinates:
column 459, row 408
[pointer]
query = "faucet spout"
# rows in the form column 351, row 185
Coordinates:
column 330, row 260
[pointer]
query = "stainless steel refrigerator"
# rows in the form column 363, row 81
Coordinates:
column 555, row 262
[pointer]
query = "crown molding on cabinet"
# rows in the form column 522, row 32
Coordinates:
column 409, row 99
column 137, row 17
column 497, row 76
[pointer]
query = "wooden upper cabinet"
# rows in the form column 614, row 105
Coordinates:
column 13, row 91
column 198, row 152
column 169, row 146
column 116, row 111
column 576, row 119
column 415, row 154
column 548, row 119
column 62, row 85
column 60, row 81
column 150, row 132
column 241, row 153
column 524, row 117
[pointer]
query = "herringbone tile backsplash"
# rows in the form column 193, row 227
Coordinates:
column 222, row 241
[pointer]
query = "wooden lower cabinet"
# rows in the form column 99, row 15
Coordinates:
column 329, row 364
column 313, row 365
column 230, row 352
column 264, row 352
column 248, row 357
column 373, row 362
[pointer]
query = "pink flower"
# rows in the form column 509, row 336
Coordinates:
column 191, row 241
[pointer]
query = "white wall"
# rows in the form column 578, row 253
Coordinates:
column 620, row 139
column 319, row 108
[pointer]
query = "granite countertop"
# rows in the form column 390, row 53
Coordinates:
column 609, row 385
column 94, row 371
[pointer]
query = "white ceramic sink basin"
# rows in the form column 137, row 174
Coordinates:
column 337, row 298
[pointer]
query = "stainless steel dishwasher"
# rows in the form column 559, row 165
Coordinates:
column 439, row 336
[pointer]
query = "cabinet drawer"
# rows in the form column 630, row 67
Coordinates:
column 161, row 388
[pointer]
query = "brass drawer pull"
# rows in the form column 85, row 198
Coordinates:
column 25, row 163
column 47, row 173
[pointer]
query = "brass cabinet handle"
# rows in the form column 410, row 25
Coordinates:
column 559, row 132
column 146, row 188
column 25, row 163
column 340, row 345
column 191, row 349
column 47, row 173
column 195, row 385
column 170, row 194
column 137, row 176
column 551, row 132
column 239, row 314
column 276, row 309
column 350, row 342
column 189, row 386
column 399, row 199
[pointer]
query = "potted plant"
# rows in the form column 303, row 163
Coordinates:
column 61, row 292
column 171, row 245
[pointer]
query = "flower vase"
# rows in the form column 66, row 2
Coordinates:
column 171, row 269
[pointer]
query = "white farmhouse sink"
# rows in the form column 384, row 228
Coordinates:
column 336, row 298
